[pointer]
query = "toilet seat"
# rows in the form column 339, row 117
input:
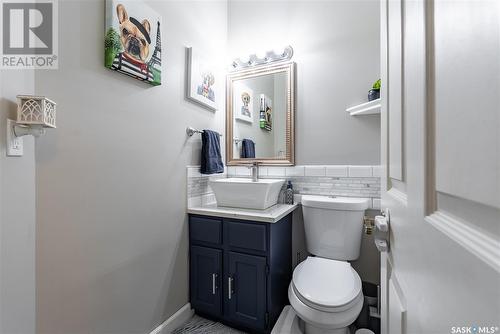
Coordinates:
column 326, row 285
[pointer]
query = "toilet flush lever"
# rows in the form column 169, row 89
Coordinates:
column 382, row 227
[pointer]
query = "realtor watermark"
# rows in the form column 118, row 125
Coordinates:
column 474, row 330
column 29, row 34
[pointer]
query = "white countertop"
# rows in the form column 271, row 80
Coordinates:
column 270, row 215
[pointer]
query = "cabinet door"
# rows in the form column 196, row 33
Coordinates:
column 245, row 290
column 205, row 279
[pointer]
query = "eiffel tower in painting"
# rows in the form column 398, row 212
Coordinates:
column 156, row 57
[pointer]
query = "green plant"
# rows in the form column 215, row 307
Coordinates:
column 112, row 46
column 376, row 85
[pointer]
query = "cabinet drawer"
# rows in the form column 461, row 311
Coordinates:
column 245, row 235
column 205, row 229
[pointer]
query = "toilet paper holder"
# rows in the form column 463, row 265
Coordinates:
column 368, row 224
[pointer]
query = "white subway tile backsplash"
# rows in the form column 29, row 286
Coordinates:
column 377, row 171
column 360, row 171
column 315, row 171
column 193, row 172
column 337, row 171
column 295, row 171
column 276, row 171
column 350, row 181
column 243, row 171
column 216, row 176
column 231, row 170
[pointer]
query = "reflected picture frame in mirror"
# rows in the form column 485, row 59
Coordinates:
column 288, row 157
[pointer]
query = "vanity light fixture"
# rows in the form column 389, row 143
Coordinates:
column 34, row 115
column 260, row 59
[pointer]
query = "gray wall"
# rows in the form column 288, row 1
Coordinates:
column 336, row 48
column 17, row 215
column 111, row 185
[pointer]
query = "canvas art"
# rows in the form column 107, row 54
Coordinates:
column 201, row 80
column 243, row 102
column 266, row 113
column 132, row 44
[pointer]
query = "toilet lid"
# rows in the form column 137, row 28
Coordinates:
column 327, row 283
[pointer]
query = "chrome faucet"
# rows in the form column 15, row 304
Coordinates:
column 255, row 171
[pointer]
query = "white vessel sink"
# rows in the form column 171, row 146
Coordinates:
column 245, row 193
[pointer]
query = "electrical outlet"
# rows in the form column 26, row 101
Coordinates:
column 14, row 144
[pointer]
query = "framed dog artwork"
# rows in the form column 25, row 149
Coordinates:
column 243, row 102
column 132, row 43
column 201, row 80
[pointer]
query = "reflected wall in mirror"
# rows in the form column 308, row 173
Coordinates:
column 260, row 115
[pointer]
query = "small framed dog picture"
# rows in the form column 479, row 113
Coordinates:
column 243, row 102
column 201, row 80
column 132, row 44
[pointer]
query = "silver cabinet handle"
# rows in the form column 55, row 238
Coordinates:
column 229, row 287
column 214, row 279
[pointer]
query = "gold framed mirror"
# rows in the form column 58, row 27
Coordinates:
column 260, row 115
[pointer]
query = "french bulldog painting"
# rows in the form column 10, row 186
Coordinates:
column 134, row 35
column 133, row 40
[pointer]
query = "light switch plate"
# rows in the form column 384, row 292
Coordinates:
column 14, row 144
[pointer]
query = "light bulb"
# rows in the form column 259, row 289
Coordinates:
column 254, row 59
column 245, row 59
column 270, row 55
column 261, row 55
column 279, row 52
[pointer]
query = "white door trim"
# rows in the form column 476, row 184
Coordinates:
column 482, row 245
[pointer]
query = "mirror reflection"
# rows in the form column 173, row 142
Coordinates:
column 260, row 116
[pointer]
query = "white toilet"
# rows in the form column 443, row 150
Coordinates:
column 325, row 291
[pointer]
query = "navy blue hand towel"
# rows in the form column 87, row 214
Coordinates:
column 211, row 158
column 247, row 148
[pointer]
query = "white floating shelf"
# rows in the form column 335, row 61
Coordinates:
column 368, row 108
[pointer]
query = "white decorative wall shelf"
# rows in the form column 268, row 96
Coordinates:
column 368, row 108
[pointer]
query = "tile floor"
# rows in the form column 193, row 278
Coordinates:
column 199, row 325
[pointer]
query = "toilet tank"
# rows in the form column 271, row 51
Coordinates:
column 334, row 226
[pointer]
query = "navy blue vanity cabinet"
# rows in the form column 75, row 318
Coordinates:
column 240, row 270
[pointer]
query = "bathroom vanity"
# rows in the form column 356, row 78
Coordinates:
column 240, row 264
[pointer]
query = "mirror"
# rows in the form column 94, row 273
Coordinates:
column 260, row 115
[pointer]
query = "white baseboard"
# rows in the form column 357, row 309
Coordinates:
column 176, row 320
